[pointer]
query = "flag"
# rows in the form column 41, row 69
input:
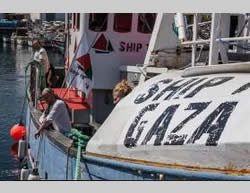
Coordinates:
column 80, row 72
column 102, row 45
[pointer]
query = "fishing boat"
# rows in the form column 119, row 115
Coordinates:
column 5, row 23
column 58, row 42
column 13, row 38
column 22, row 40
column 111, row 40
column 6, row 39
column 185, row 118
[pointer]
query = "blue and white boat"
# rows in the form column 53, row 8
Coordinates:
column 186, row 118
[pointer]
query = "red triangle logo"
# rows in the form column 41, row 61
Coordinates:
column 101, row 43
column 84, row 60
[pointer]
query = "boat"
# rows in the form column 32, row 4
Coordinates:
column 30, row 42
column 6, row 39
column 32, row 35
column 13, row 38
column 186, row 118
column 5, row 23
column 111, row 49
column 22, row 36
column 58, row 42
column 22, row 40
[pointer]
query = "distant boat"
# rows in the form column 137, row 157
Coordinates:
column 4, row 23
column 30, row 42
column 6, row 39
column 13, row 38
column 59, row 42
column 22, row 40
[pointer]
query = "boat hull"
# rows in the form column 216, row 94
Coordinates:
column 56, row 161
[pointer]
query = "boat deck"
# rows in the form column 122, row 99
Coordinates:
column 70, row 97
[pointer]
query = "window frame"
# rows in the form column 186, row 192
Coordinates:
column 102, row 28
column 138, row 24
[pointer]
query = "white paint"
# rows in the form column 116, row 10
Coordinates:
column 163, row 37
column 106, row 67
column 180, row 23
column 232, row 144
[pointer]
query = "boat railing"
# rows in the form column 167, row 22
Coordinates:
column 133, row 73
column 243, row 67
column 35, row 82
column 218, row 41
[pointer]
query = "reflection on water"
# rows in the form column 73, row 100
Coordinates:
column 13, row 60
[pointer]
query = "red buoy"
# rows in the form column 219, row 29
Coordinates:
column 18, row 131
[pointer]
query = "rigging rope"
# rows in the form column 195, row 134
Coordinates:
column 25, row 95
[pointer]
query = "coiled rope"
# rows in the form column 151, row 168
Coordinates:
column 80, row 142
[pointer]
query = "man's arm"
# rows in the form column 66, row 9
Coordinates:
column 44, row 125
column 53, row 114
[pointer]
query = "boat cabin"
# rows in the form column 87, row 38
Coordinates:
column 187, row 119
column 115, row 43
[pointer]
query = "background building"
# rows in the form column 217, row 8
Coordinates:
column 47, row 16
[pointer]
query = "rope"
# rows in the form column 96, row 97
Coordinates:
column 25, row 87
column 38, row 151
column 80, row 142
column 77, row 169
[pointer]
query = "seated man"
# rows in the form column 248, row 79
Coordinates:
column 55, row 114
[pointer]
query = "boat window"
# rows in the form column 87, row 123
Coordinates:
column 78, row 21
column 74, row 20
column 70, row 20
column 146, row 22
column 98, row 22
column 122, row 22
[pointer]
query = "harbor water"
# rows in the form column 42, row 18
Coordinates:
column 13, row 60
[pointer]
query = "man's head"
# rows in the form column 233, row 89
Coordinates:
column 36, row 44
column 120, row 90
column 48, row 96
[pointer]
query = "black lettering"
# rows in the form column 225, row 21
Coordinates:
column 173, row 138
column 173, row 88
column 221, row 115
column 122, row 46
column 189, row 87
column 151, row 91
column 129, row 47
column 242, row 88
column 77, row 73
column 129, row 140
column 160, row 126
column 210, row 83
column 139, row 131
column 138, row 47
